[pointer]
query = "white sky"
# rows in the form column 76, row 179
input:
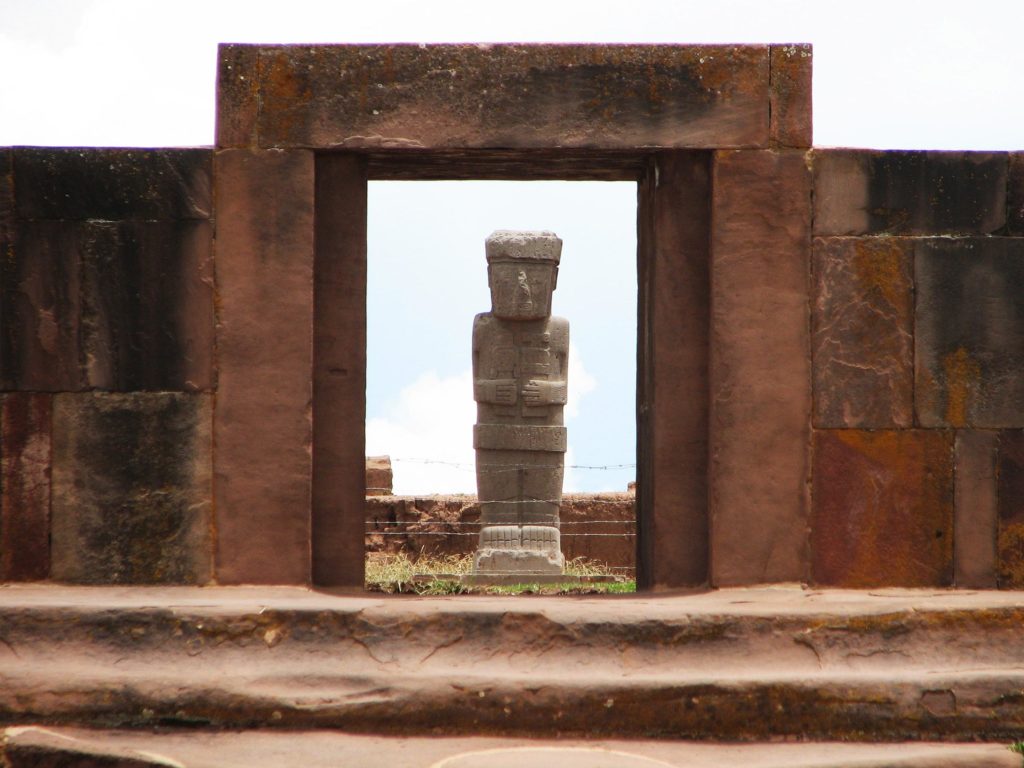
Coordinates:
column 887, row 74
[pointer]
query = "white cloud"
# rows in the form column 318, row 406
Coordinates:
column 429, row 431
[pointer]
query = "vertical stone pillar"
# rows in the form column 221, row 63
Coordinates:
column 263, row 415
column 760, row 367
column 339, row 372
column 672, row 371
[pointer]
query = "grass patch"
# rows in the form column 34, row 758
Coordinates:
column 1018, row 747
column 394, row 574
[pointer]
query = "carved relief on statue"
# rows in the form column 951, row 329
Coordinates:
column 520, row 356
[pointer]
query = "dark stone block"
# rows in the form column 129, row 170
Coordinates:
column 108, row 305
column 510, row 96
column 1011, row 509
column 6, row 193
column 132, row 488
column 112, row 184
column 863, row 192
column 1015, row 195
column 41, row 309
column 25, row 487
column 970, row 332
column 862, row 324
column 238, row 87
column 790, row 123
column 883, row 508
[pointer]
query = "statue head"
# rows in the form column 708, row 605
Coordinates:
column 522, row 270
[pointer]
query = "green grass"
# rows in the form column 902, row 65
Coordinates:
column 393, row 574
column 1018, row 747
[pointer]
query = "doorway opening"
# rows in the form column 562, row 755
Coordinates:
column 426, row 280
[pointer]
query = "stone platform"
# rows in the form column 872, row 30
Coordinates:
column 731, row 665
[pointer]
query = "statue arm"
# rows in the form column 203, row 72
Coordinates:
column 553, row 391
column 494, row 391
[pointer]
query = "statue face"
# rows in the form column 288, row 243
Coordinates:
column 521, row 290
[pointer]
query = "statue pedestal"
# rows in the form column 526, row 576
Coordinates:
column 519, row 549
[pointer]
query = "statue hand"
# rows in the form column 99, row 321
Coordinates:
column 505, row 392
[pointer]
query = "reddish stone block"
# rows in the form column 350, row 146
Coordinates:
column 883, row 508
column 864, row 192
column 862, row 329
column 112, row 184
column 975, row 509
column 969, row 333
column 790, row 123
column 759, row 366
column 1011, row 510
column 672, row 420
column 511, row 96
column 111, row 305
column 238, row 87
column 131, row 488
column 263, row 419
column 1015, row 195
column 25, row 488
column 6, row 194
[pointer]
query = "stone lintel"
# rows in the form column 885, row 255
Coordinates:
column 404, row 96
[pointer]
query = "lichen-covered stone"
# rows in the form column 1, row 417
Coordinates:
column 110, row 305
column 506, row 96
column 969, row 332
column 1011, row 509
column 883, row 508
column 759, row 367
column 238, row 86
column 112, row 184
column 24, row 486
column 863, row 192
column 132, row 488
column 862, row 325
column 791, row 67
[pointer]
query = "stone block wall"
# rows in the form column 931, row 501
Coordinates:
column 106, row 365
column 917, row 326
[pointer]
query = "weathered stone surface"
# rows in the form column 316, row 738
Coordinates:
column 672, row 358
column 412, row 524
column 238, row 86
column 41, row 308
column 110, row 305
column 511, row 96
column 263, row 419
column 862, row 332
column 339, row 371
column 860, row 192
column 975, row 510
column 1011, row 509
column 25, row 486
column 732, row 665
column 791, row 68
column 132, row 488
column 969, row 332
column 34, row 747
column 379, row 477
column 760, row 367
column 6, row 193
column 1015, row 195
column 883, row 508
column 112, row 184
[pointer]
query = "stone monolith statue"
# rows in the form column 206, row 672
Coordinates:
column 520, row 355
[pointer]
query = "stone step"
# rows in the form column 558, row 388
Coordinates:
column 77, row 748
column 739, row 664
